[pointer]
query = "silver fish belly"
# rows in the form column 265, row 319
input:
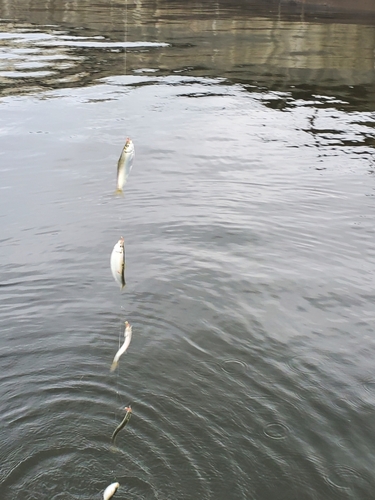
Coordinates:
column 118, row 262
column 123, row 348
column 125, row 164
column 110, row 491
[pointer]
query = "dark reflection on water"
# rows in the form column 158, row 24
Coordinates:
column 249, row 226
column 244, row 43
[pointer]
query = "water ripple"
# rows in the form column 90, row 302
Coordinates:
column 276, row 430
column 234, row 366
column 343, row 477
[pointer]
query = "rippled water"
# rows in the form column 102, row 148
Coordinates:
column 248, row 220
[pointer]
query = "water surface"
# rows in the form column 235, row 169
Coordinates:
column 248, row 220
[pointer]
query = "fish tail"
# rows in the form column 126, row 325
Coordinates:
column 119, row 192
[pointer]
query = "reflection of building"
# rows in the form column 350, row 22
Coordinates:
column 217, row 39
column 359, row 7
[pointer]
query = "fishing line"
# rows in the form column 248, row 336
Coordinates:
column 125, row 54
column 125, row 62
column 126, row 29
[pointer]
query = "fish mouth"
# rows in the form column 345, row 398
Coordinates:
column 128, row 145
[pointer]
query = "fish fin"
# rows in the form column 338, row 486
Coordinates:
column 114, row 366
column 119, row 192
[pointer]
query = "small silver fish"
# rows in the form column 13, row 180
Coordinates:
column 125, row 164
column 123, row 348
column 125, row 420
column 110, row 491
column 118, row 262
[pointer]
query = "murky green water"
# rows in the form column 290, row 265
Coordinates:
column 248, row 220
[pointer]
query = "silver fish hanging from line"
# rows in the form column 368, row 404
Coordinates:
column 118, row 262
column 124, row 165
column 125, row 345
column 110, row 491
column 125, row 420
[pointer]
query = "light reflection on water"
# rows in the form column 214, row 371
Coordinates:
column 248, row 224
column 224, row 41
